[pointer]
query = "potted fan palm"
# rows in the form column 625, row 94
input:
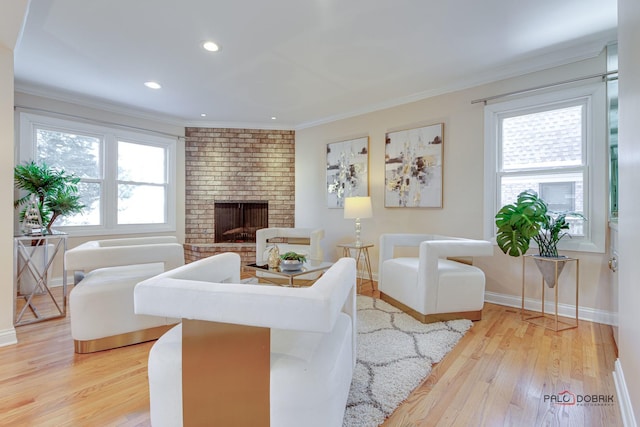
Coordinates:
column 54, row 191
column 530, row 219
column 47, row 194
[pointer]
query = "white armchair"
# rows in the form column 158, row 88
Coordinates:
column 101, row 301
column 301, row 240
column 248, row 355
column 432, row 287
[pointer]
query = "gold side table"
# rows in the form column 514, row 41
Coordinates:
column 541, row 318
column 361, row 255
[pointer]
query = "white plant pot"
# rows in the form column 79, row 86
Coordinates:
column 27, row 281
column 548, row 268
column 290, row 265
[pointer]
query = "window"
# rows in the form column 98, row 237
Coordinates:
column 141, row 190
column 127, row 178
column 553, row 144
column 77, row 153
column 560, row 196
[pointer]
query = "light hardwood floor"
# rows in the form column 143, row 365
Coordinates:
column 498, row 375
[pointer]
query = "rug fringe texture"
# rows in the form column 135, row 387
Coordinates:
column 395, row 353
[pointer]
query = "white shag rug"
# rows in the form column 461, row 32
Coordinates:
column 394, row 355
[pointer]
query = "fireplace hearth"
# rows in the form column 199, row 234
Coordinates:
column 237, row 221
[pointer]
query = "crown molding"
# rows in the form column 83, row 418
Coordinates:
column 240, row 125
column 87, row 101
column 538, row 62
column 98, row 104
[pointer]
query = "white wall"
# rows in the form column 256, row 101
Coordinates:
column 10, row 24
column 462, row 214
column 629, row 219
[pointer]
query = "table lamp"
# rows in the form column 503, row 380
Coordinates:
column 357, row 207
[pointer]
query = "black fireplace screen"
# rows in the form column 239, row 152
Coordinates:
column 238, row 221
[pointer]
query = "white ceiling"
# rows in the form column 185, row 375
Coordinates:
column 302, row 61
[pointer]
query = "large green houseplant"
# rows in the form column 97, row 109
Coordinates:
column 55, row 191
column 530, row 219
column 51, row 193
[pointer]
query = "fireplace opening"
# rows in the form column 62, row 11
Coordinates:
column 237, row 221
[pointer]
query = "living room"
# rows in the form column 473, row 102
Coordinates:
column 464, row 211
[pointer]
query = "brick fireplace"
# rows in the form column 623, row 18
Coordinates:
column 235, row 165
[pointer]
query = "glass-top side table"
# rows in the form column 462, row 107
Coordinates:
column 35, row 300
column 361, row 255
column 551, row 322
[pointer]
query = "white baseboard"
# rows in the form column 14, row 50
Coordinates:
column 624, row 400
column 8, row 337
column 56, row 282
column 565, row 310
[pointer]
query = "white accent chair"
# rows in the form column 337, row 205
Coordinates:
column 431, row 287
column 300, row 240
column 101, row 301
column 247, row 354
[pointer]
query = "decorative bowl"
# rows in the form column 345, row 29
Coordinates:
column 290, row 265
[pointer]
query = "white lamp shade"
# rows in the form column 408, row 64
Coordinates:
column 357, row 207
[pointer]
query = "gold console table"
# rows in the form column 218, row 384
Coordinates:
column 541, row 318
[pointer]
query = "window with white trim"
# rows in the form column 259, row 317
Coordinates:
column 554, row 144
column 127, row 178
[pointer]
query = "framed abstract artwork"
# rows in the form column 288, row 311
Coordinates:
column 347, row 170
column 413, row 167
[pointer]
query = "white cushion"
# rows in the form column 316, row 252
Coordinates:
column 400, row 280
column 461, row 287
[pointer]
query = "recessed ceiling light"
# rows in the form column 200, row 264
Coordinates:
column 273, row 117
column 210, row 46
column 152, row 85
column 203, row 115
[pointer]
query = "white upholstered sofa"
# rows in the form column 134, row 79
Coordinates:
column 430, row 286
column 101, row 301
column 247, row 354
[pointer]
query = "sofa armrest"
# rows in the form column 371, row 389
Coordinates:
column 388, row 243
column 456, row 248
column 313, row 249
column 204, row 290
column 132, row 241
column 431, row 250
column 90, row 256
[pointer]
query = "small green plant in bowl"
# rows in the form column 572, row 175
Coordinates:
column 293, row 256
column 292, row 261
